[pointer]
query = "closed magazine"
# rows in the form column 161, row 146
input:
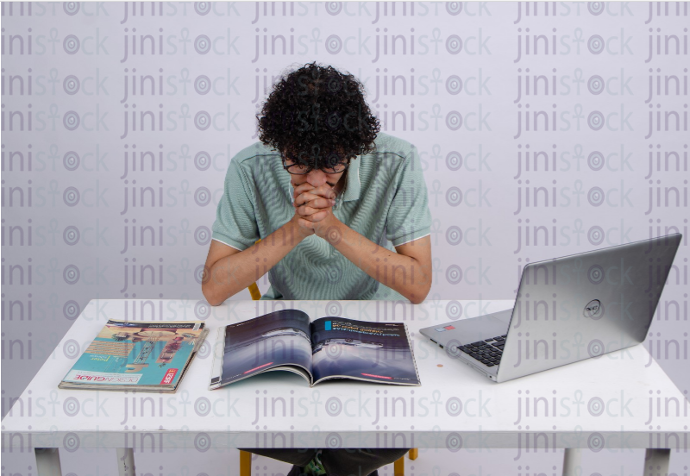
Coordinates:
column 137, row 355
column 331, row 347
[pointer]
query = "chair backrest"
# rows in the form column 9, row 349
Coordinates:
column 253, row 288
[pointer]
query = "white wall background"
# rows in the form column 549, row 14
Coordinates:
column 598, row 92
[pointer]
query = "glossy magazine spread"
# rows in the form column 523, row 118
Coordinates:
column 329, row 348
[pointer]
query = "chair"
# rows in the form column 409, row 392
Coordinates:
column 398, row 465
column 246, row 457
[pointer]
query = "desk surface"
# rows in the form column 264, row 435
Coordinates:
column 620, row 400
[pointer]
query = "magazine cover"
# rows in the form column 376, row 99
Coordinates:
column 144, row 355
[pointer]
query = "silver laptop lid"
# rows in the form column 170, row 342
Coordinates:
column 583, row 306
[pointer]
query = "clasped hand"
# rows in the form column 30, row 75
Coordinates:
column 314, row 208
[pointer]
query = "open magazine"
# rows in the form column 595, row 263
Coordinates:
column 328, row 348
column 137, row 355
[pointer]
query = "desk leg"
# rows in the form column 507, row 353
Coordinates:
column 571, row 462
column 656, row 462
column 48, row 462
column 125, row 461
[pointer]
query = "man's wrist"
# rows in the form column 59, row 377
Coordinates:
column 331, row 229
column 296, row 229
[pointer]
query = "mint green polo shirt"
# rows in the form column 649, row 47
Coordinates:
column 384, row 199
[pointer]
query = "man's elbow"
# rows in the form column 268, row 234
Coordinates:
column 419, row 294
column 418, row 299
column 207, row 295
column 422, row 290
column 207, row 291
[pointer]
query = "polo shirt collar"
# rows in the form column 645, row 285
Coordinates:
column 353, row 185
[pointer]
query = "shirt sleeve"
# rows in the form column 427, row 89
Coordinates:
column 409, row 217
column 235, row 223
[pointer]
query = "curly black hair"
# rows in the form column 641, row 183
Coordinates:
column 317, row 116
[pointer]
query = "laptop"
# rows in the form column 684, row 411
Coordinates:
column 567, row 309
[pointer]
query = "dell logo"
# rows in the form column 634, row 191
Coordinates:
column 593, row 309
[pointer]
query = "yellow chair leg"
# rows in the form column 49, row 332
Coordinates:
column 399, row 467
column 245, row 463
column 413, row 454
column 254, row 292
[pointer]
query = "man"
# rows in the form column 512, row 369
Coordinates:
column 321, row 231
column 323, row 190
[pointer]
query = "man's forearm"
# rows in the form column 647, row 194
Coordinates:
column 402, row 273
column 233, row 273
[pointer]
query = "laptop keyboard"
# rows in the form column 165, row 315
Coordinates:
column 488, row 351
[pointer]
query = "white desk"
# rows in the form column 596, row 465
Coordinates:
column 620, row 400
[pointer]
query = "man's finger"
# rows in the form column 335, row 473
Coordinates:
column 314, row 201
column 322, row 203
column 303, row 187
column 309, row 197
column 305, row 210
column 324, row 190
column 305, row 224
column 305, row 198
column 316, row 217
column 312, row 207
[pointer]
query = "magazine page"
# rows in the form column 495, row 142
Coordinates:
column 139, row 354
column 218, row 352
column 272, row 340
column 295, row 370
column 217, row 367
column 371, row 351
